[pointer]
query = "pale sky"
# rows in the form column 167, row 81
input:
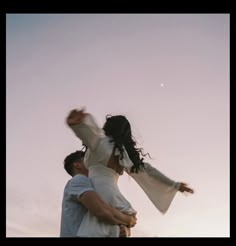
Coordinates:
column 168, row 73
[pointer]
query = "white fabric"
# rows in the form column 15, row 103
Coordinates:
column 125, row 162
column 160, row 189
column 104, row 179
column 105, row 182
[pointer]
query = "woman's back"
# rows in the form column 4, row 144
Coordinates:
column 103, row 165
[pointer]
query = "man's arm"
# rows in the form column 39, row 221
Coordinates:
column 105, row 212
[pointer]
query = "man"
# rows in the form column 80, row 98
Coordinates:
column 79, row 196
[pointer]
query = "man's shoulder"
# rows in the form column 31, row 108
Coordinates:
column 80, row 178
column 77, row 186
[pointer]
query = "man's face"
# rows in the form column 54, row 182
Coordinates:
column 83, row 169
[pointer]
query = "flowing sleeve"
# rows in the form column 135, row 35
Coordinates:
column 88, row 132
column 159, row 188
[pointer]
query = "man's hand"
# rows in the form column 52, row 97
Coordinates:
column 124, row 231
column 184, row 188
column 75, row 117
column 133, row 220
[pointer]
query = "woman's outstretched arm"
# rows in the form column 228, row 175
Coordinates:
column 85, row 128
column 75, row 117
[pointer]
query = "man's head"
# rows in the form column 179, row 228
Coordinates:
column 74, row 163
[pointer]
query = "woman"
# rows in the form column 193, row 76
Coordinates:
column 112, row 150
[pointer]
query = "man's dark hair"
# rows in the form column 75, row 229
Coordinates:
column 71, row 158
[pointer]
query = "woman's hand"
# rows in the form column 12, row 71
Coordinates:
column 184, row 188
column 75, row 117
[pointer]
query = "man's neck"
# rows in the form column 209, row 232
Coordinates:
column 84, row 174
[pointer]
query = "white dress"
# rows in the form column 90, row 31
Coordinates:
column 158, row 187
column 103, row 178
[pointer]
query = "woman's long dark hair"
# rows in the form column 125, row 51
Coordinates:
column 119, row 129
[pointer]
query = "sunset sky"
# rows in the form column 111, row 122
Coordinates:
column 167, row 73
